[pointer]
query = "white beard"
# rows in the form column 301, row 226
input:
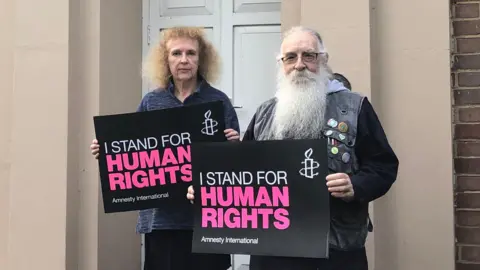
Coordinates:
column 301, row 104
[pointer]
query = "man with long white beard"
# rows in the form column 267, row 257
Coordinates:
column 309, row 104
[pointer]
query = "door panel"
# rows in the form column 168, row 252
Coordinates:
column 255, row 49
column 254, row 6
column 250, row 42
column 186, row 7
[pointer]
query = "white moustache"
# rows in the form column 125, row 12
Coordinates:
column 301, row 103
column 302, row 76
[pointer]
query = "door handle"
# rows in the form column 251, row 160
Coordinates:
column 235, row 106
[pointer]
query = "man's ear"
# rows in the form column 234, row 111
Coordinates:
column 326, row 57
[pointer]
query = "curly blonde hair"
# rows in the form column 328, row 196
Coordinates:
column 156, row 68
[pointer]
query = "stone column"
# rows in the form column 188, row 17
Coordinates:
column 6, row 92
column 62, row 62
column 34, row 91
column 415, row 224
column 290, row 13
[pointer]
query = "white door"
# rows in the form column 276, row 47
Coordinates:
column 247, row 35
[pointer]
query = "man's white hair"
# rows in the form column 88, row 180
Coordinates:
column 300, row 29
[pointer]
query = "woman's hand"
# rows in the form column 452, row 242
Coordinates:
column 232, row 135
column 95, row 147
column 190, row 194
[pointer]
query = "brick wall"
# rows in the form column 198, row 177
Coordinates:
column 465, row 16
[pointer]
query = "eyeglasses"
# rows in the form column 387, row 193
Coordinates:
column 307, row 57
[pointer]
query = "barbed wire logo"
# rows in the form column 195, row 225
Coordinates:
column 209, row 124
column 310, row 165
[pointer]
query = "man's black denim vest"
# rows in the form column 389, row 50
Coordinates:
column 349, row 223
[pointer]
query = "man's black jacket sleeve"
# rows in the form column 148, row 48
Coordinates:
column 378, row 163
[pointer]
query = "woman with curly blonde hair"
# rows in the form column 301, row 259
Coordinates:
column 181, row 66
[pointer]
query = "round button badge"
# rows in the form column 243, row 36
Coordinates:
column 332, row 123
column 342, row 127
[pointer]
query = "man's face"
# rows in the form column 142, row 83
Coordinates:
column 300, row 52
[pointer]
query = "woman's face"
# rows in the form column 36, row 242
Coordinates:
column 183, row 58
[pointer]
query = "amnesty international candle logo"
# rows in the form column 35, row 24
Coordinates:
column 257, row 201
column 145, row 158
column 209, row 124
column 310, row 165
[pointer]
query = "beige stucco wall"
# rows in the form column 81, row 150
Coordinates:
column 61, row 62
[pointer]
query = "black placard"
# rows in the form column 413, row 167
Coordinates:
column 145, row 157
column 238, row 183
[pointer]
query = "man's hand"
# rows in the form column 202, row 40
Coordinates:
column 340, row 186
column 232, row 135
column 190, row 194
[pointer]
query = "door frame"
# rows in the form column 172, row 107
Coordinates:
column 145, row 85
